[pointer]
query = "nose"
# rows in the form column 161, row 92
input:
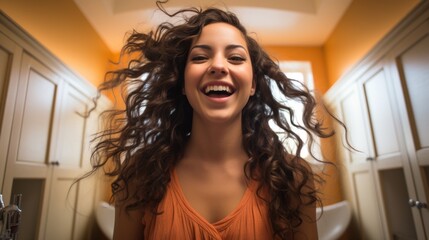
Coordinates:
column 218, row 66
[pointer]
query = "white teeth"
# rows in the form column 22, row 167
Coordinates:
column 217, row 88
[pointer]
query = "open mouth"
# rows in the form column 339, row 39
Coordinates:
column 218, row 91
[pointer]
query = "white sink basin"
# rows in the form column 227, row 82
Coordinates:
column 334, row 221
column 105, row 217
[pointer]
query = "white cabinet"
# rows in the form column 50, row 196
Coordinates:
column 68, row 164
column 9, row 72
column 377, row 171
column 410, row 71
column 33, row 137
column 44, row 139
column 385, row 108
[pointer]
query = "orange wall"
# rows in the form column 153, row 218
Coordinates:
column 60, row 27
column 314, row 55
column 364, row 24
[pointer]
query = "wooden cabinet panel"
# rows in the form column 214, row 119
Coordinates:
column 368, row 110
column 41, row 89
column 61, row 210
column 369, row 210
column 84, row 217
column 415, row 66
column 415, row 78
column 5, row 63
column 410, row 65
column 381, row 116
column 33, row 127
column 72, row 128
column 10, row 57
column 353, row 118
column 70, row 200
column 354, row 114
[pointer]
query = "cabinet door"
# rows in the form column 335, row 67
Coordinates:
column 384, row 133
column 33, row 134
column 88, row 193
column 72, row 135
column 410, row 68
column 352, row 112
column 390, row 163
column 10, row 57
column 63, row 201
column 85, row 202
column 36, row 112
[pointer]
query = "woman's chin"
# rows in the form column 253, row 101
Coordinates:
column 219, row 117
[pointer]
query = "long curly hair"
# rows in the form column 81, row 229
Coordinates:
column 145, row 140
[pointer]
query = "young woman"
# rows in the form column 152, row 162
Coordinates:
column 192, row 154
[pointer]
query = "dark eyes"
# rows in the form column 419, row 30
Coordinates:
column 199, row 58
column 234, row 59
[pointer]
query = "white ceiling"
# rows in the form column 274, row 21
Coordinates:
column 272, row 22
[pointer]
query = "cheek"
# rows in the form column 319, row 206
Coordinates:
column 191, row 74
column 248, row 69
column 190, row 83
column 248, row 73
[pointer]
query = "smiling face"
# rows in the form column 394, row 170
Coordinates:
column 218, row 74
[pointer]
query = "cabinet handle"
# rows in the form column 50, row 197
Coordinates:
column 421, row 205
column 370, row 159
column 417, row 204
column 55, row 163
column 412, row 202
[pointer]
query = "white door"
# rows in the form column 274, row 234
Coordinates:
column 10, row 56
column 390, row 163
column 63, row 201
column 352, row 112
column 33, row 134
column 411, row 72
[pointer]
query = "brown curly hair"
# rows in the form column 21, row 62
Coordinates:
column 146, row 139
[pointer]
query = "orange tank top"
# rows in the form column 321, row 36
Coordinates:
column 249, row 220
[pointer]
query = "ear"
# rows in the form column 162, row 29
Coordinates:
column 253, row 89
column 252, row 92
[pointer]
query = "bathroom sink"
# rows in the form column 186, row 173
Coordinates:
column 334, row 220
column 105, row 217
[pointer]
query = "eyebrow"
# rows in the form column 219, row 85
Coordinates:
column 229, row 47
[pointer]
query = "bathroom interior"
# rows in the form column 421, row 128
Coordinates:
column 367, row 60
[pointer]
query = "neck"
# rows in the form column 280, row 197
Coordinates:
column 218, row 142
